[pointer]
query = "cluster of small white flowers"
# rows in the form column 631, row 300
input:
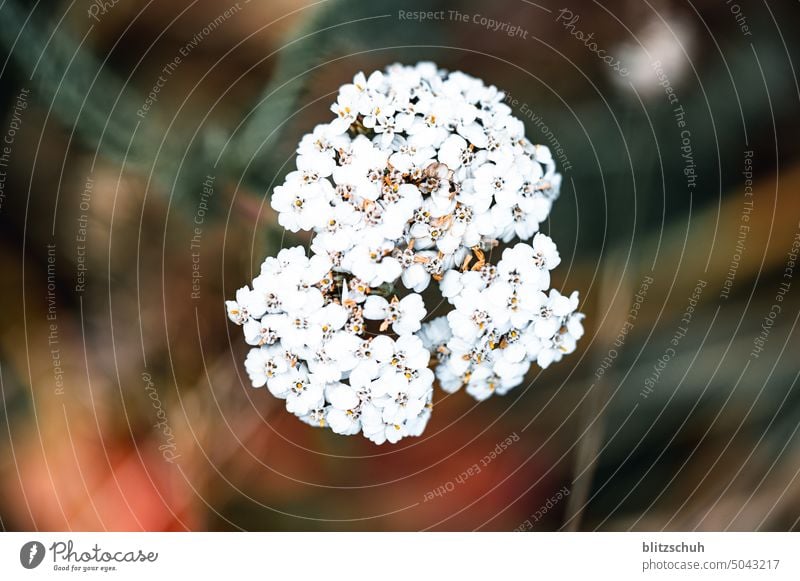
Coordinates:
column 418, row 175
column 503, row 321
column 311, row 349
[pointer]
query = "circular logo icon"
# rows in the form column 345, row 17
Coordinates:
column 31, row 554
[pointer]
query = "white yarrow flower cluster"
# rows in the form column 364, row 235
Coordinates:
column 503, row 321
column 418, row 176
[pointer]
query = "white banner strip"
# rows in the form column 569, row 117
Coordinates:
column 390, row 556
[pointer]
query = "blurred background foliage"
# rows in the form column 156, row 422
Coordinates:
column 713, row 447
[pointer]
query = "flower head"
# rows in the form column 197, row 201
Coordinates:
column 419, row 174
